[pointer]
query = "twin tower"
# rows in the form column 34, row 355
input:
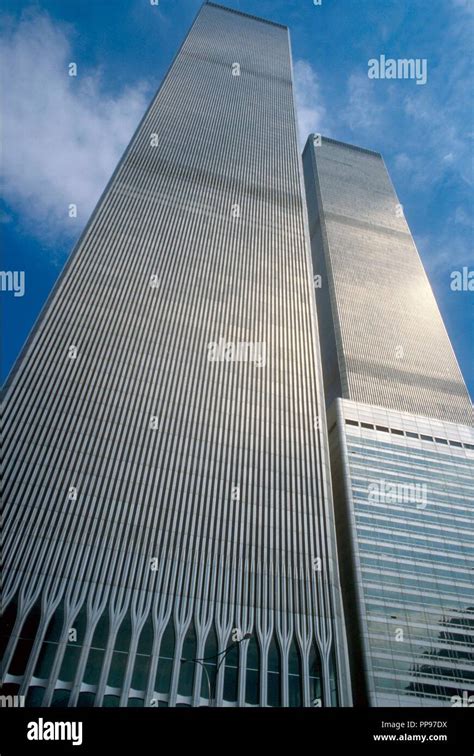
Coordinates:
column 291, row 530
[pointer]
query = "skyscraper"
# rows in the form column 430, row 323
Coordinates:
column 169, row 534
column 384, row 338
column 401, row 439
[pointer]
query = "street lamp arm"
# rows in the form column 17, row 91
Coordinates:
column 225, row 651
column 223, row 654
column 198, row 661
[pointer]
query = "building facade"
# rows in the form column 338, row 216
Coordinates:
column 169, row 536
column 384, row 341
column 403, row 486
column 401, row 440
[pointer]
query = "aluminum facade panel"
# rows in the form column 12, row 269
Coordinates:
column 405, row 524
column 163, row 494
column 389, row 344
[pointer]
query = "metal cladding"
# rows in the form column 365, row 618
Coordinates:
column 401, row 439
column 167, row 480
column 403, row 497
column 386, row 343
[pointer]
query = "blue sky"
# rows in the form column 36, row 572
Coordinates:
column 63, row 135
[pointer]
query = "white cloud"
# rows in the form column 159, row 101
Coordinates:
column 464, row 4
column 462, row 218
column 63, row 136
column 309, row 105
column 441, row 137
column 363, row 111
column 402, row 161
column 445, row 252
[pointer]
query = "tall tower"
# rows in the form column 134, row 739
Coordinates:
column 401, row 439
column 168, row 493
column 385, row 341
